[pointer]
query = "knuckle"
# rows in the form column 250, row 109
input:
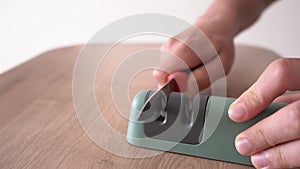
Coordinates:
column 170, row 43
column 174, row 46
column 278, row 158
column 172, row 39
column 157, row 74
column 293, row 120
column 264, row 138
column 254, row 99
column 280, row 68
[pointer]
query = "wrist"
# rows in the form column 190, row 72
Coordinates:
column 221, row 16
column 217, row 25
column 234, row 15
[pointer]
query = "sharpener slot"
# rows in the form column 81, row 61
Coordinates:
column 176, row 121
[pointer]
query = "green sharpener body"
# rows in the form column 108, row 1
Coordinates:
column 204, row 130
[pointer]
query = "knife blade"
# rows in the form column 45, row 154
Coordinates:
column 176, row 82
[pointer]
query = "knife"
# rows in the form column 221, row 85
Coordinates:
column 176, row 82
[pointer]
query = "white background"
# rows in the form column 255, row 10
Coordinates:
column 31, row 27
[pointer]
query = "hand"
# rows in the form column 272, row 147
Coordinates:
column 219, row 37
column 273, row 142
column 220, row 23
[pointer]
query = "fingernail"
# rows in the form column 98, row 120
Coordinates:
column 237, row 112
column 243, row 146
column 259, row 160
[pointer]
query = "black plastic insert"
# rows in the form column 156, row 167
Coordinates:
column 176, row 121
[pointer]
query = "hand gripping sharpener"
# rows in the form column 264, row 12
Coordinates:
column 198, row 127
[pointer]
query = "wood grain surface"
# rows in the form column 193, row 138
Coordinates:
column 39, row 127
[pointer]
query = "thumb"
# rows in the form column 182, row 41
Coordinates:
column 279, row 76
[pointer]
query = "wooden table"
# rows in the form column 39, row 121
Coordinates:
column 39, row 127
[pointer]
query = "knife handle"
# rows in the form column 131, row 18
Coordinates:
column 181, row 80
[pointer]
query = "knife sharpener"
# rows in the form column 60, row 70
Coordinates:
column 201, row 129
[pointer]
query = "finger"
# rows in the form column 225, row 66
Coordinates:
column 281, row 75
column 288, row 98
column 282, row 126
column 282, row 156
column 180, row 49
column 175, row 56
column 187, row 47
column 181, row 80
column 218, row 67
column 160, row 76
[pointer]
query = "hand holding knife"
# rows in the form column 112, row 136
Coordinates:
column 176, row 82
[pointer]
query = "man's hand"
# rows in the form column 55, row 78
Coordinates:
column 219, row 39
column 221, row 22
column 275, row 141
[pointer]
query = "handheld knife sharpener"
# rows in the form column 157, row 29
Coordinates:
column 201, row 129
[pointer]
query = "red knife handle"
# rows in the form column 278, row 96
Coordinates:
column 181, row 80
